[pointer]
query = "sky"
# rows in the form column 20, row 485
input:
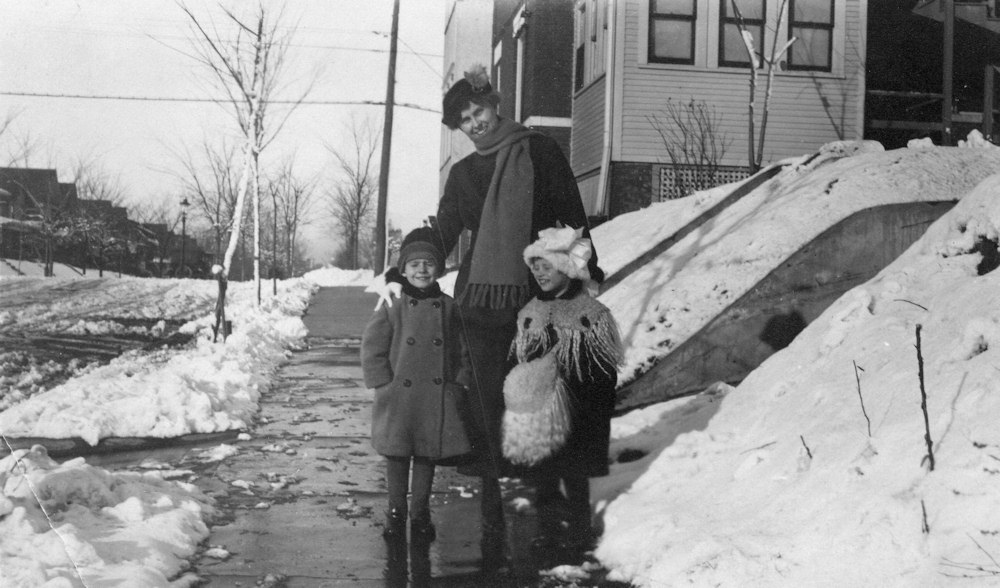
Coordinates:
column 141, row 49
column 774, row 482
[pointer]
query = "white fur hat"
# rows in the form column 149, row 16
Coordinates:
column 565, row 248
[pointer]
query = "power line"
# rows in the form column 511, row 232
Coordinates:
column 214, row 100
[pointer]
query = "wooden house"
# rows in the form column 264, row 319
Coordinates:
column 635, row 59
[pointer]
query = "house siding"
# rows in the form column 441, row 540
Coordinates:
column 798, row 121
column 588, row 127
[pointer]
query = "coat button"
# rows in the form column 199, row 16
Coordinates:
column 410, row 340
column 438, row 380
column 413, row 302
column 407, row 383
column 436, row 304
column 438, row 341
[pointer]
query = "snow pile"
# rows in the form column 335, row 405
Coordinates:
column 334, row 276
column 650, row 225
column 713, row 266
column 786, row 486
column 202, row 388
column 72, row 524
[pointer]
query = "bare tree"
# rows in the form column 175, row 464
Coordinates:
column 98, row 226
column 691, row 138
column 246, row 63
column 162, row 218
column 292, row 202
column 210, row 182
column 350, row 203
column 756, row 157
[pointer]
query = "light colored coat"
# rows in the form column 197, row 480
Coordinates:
column 414, row 358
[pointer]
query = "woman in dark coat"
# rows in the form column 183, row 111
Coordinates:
column 515, row 184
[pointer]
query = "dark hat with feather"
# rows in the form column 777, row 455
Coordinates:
column 474, row 87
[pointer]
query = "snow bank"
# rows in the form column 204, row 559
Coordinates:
column 202, row 388
column 334, row 276
column 713, row 266
column 787, row 487
column 72, row 524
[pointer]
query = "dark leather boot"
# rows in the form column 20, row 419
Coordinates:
column 421, row 528
column 395, row 524
column 494, row 550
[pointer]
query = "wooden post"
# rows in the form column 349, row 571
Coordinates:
column 949, row 59
column 383, row 177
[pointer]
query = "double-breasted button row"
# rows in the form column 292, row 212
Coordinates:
column 408, row 383
column 436, row 341
column 435, row 304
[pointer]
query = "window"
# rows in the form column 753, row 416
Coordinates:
column 811, row 22
column 590, row 41
column 672, row 31
column 732, row 49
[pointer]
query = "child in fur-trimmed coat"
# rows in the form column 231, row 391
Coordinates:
column 413, row 356
column 561, row 394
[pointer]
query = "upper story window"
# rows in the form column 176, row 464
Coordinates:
column 732, row 49
column 705, row 34
column 811, row 22
column 590, row 41
column 672, row 31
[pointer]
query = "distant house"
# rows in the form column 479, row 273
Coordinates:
column 632, row 56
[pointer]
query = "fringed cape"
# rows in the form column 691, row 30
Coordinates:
column 559, row 345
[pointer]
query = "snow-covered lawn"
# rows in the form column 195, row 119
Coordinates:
column 782, row 481
column 666, row 301
column 73, row 524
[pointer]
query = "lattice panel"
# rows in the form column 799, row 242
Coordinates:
column 681, row 180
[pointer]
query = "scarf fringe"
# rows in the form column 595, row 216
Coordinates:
column 495, row 296
column 599, row 345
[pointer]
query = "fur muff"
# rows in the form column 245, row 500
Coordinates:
column 536, row 422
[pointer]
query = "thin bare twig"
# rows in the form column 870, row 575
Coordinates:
column 857, row 378
column 910, row 302
column 809, row 453
column 923, row 402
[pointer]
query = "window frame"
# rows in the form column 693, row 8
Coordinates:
column 654, row 17
column 830, row 27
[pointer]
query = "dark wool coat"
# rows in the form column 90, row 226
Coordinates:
column 556, row 199
column 590, row 380
column 414, row 358
column 490, row 332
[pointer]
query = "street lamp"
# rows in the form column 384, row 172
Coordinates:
column 184, row 217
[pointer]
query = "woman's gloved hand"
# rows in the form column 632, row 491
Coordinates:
column 391, row 288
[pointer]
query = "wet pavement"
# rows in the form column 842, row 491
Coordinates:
column 302, row 502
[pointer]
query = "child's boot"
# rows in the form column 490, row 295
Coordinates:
column 421, row 527
column 395, row 524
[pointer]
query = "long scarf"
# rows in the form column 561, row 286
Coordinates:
column 498, row 277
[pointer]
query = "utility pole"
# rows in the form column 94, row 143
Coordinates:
column 383, row 176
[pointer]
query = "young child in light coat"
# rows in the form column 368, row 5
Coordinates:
column 414, row 357
column 561, row 394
